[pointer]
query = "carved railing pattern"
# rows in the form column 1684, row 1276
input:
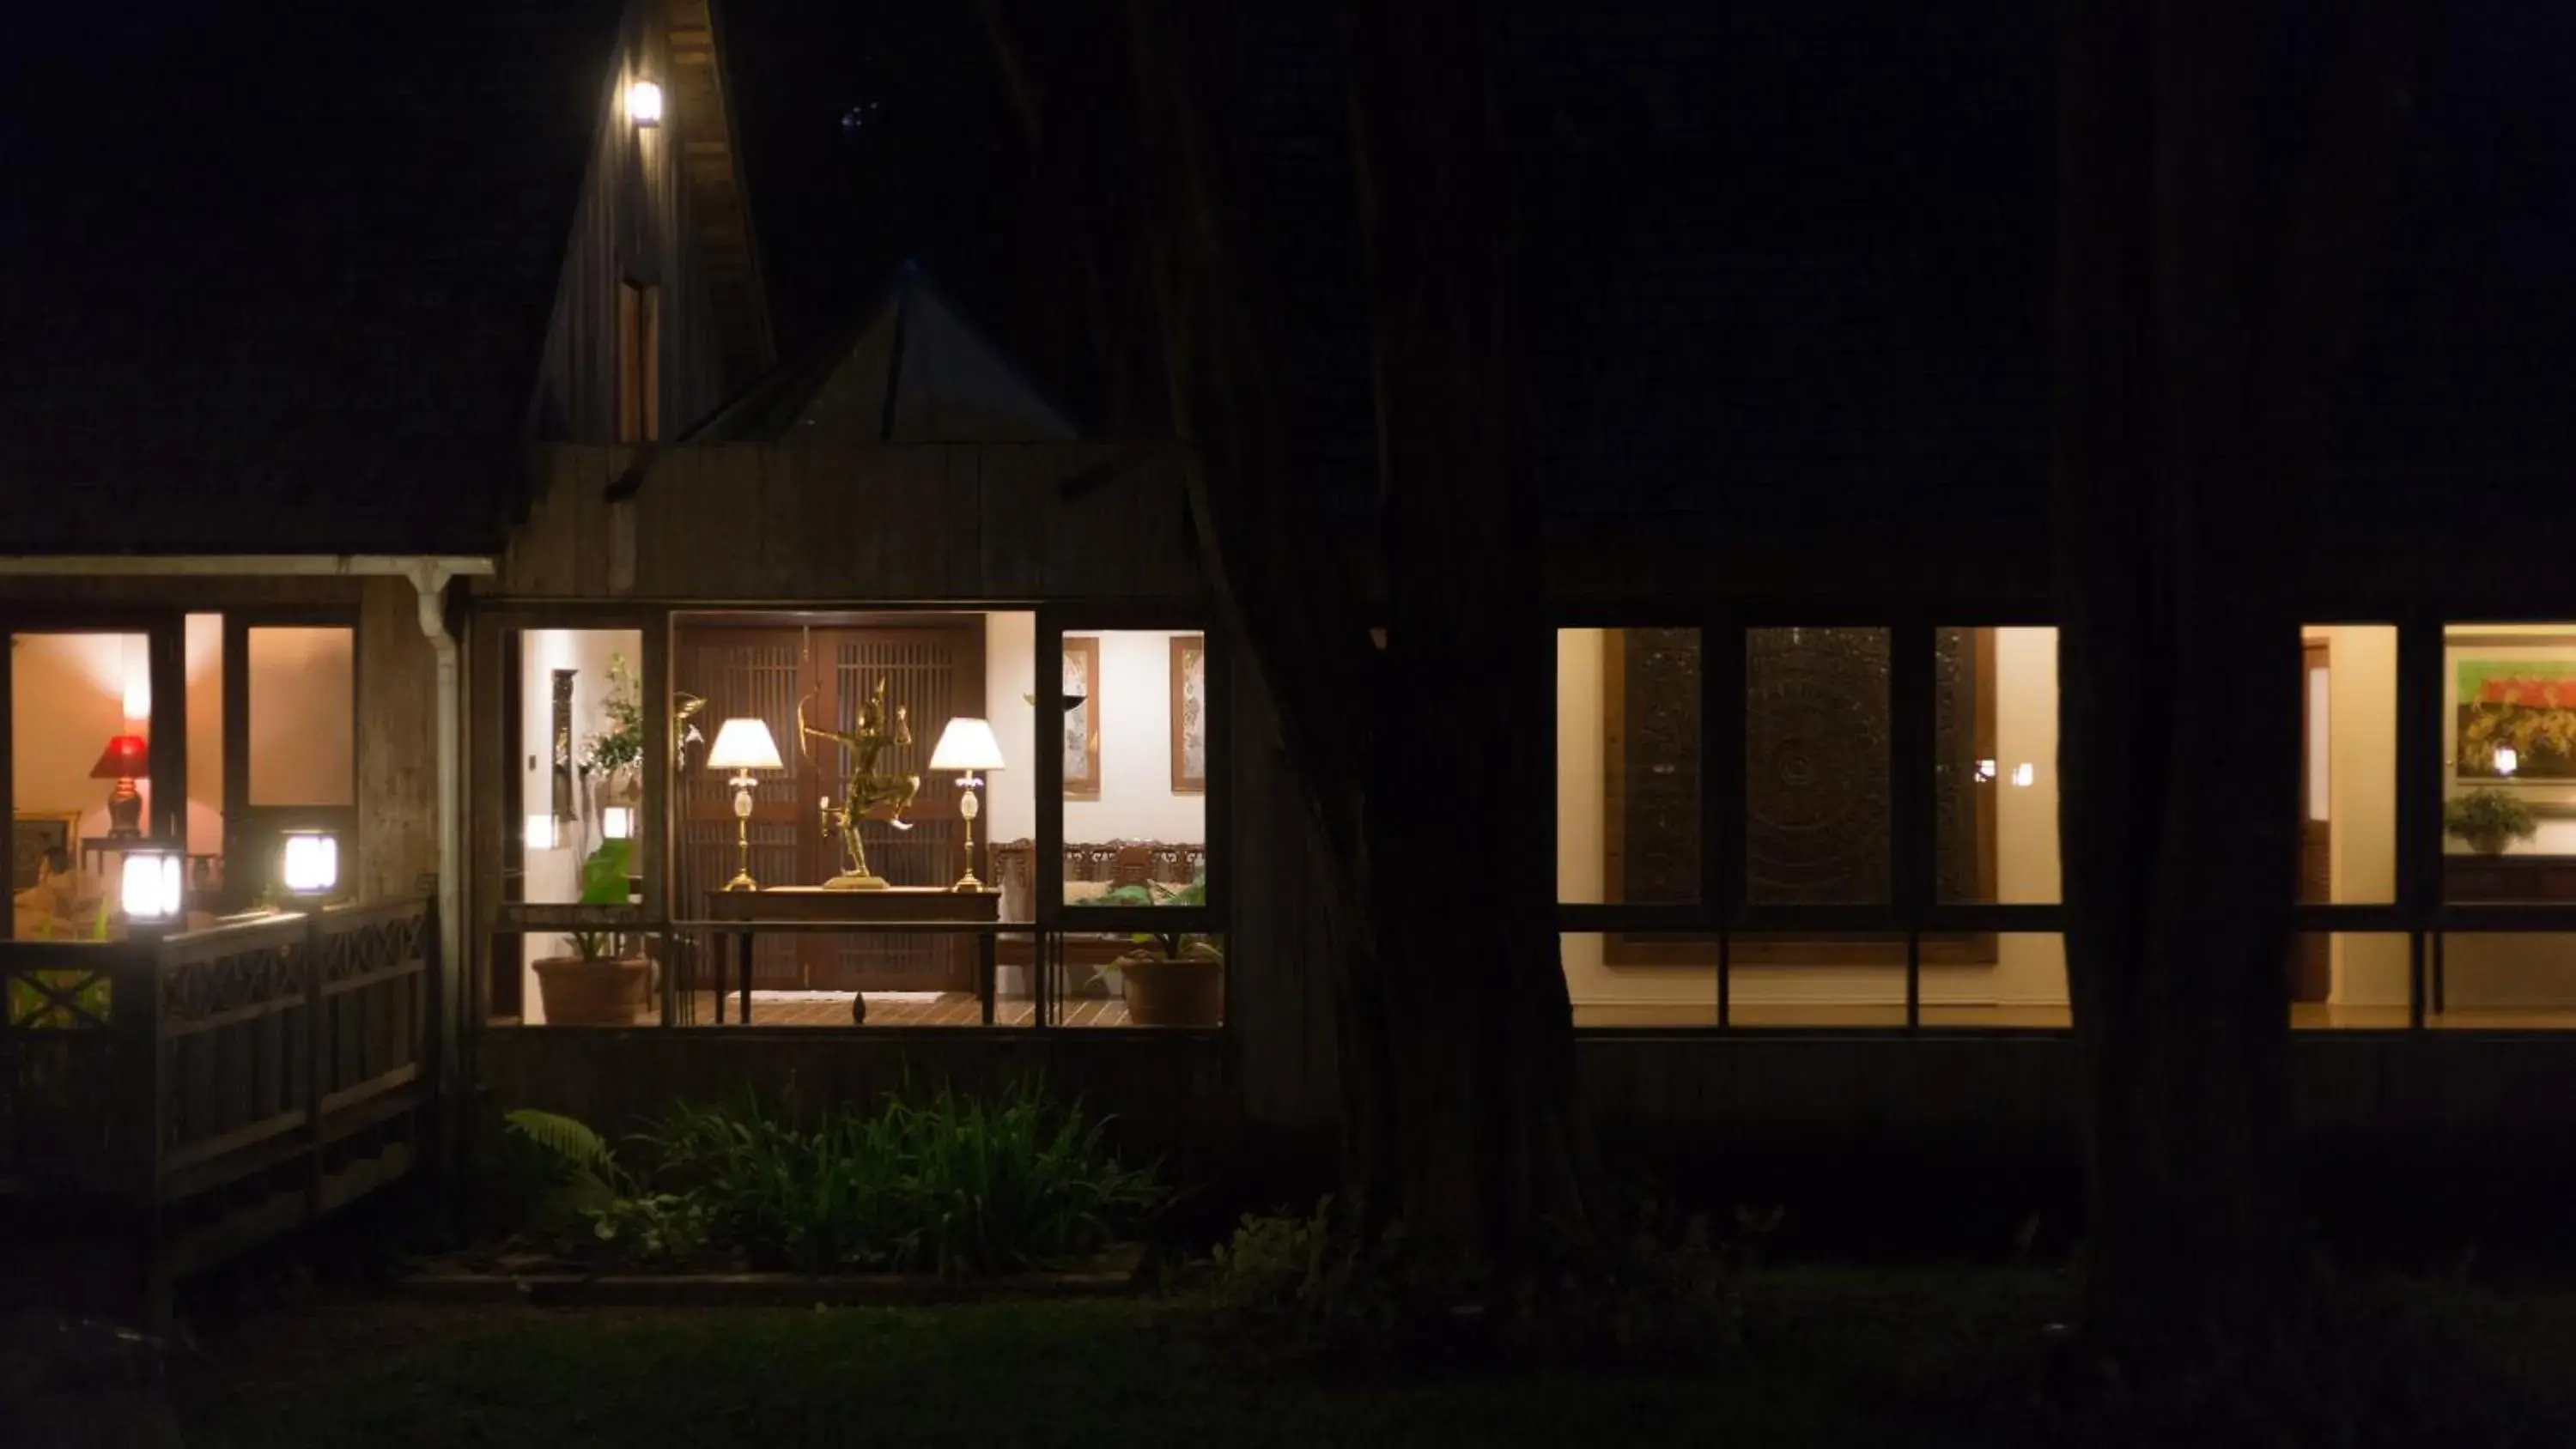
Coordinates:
column 207, row 979
column 357, row 947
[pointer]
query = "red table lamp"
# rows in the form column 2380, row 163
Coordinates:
column 126, row 756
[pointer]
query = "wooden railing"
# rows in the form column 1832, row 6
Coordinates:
column 223, row 1086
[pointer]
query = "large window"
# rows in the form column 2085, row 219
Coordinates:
column 2508, row 854
column 1878, row 849
column 835, row 817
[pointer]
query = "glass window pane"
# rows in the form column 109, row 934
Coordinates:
column 1628, row 765
column 1135, row 767
column 2509, row 777
column 2503, row 981
column 1994, row 765
column 2348, row 979
column 575, row 846
column 1816, row 980
column 1816, row 728
column 71, row 695
column 1625, row 979
column 303, row 727
column 2348, row 765
column 2016, row 979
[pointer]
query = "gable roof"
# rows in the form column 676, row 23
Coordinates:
column 915, row 370
column 280, row 273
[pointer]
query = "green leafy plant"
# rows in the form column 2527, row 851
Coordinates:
column 620, row 746
column 2488, row 820
column 1171, row 945
column 603, row 883
column 949, row 1184
column 559, row 1169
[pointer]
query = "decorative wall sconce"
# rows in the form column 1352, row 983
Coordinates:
column 2024, row 774
column 617, row 822
column 541, row 832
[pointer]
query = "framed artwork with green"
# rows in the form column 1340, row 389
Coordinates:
column 2514, row 718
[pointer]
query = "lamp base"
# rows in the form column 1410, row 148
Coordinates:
column 125, row 812
column 742, row 881
column 967, row 882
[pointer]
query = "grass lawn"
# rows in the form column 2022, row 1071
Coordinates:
column 1826, row 1358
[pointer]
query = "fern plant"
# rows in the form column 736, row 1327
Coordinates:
column 581, row 1176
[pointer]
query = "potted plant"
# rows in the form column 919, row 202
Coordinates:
column 606, row 982
column 613, row 754
column 1171, row 978
column 2489, row 820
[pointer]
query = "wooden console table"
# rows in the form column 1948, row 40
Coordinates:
column 812, row 908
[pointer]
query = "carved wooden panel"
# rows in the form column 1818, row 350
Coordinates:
column 1654, row 765
column 1816, row 785
column 1963, row 734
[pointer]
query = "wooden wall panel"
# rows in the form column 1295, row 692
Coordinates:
column 1278, row 960
column 811, row 523
column 397, row 742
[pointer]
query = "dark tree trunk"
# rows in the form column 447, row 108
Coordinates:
column 2219, row 163
column 1483, row 1114
column 1426, row 766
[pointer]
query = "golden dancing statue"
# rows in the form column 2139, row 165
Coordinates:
column 864, row 790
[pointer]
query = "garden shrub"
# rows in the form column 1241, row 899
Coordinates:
column 950, row 1184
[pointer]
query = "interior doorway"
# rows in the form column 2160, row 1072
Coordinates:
column 932, row 667
column 2312, row 952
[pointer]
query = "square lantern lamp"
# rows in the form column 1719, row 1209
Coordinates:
column 309, row 864
column 152, row 888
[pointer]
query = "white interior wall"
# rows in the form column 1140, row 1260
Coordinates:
column 2361, row 748
column 554, row 876
column 1137, row 801
column 303, row 715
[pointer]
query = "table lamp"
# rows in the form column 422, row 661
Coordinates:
column 126, row 756
column 967, row 745
column 742, row 746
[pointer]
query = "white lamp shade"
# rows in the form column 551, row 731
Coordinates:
column 151, row 888
column 967, row 744
column 311, row 865
column 617, row 822
column 744, row 744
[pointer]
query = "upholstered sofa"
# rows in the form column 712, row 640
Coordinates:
column 1091, row 869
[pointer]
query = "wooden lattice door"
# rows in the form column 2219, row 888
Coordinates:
column 935, row 671
column 760, row 673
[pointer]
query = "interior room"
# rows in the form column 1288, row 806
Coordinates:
column 83, row 741
column 908, row 690
column 2509, row 816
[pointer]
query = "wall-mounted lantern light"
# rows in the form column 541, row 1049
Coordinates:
column 617, row 822
column 541, row 832
column 644, row 103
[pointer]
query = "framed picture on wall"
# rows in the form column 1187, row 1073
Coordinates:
column 32, row 833
column 1189, row 714
column 1081, row 721
column 2513, row 705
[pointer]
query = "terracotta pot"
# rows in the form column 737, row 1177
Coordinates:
column 1165, row 992
column 606, row 992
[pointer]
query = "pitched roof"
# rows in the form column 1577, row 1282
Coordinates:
column 280, row 273
column 914, row 370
